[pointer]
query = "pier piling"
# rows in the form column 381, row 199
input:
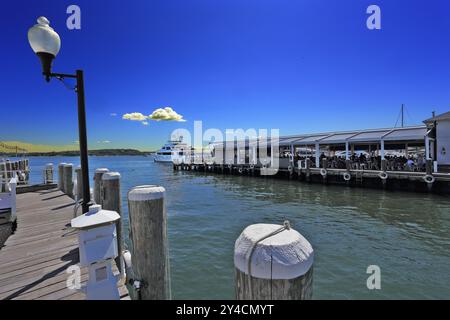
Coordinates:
column 48, row 173
column 111, row 200
column 97, row 184
column 273, row 262
column 148, row 233
column 67, row 176
column 61, row 176
column 79, row 175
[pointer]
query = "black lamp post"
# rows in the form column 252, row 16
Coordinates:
column 46, row 43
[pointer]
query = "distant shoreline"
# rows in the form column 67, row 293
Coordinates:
column 100, row 152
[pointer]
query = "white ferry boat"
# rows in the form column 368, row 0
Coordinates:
column 173, row 149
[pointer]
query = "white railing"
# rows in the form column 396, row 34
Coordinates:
column 8, row 197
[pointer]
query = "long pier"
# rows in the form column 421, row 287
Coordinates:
column 390, row 180
column 35, row 259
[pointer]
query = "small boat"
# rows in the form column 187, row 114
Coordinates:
column 171, row 150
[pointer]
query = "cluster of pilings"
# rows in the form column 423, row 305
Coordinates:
column 271, row 261
column 428, row 181
column 18, row 169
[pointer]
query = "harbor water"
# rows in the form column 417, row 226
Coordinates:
column 405, row 234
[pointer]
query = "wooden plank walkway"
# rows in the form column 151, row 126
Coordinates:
column 35, row 258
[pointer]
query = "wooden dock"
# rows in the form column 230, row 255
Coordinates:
column 34, row 260
column 396, row 180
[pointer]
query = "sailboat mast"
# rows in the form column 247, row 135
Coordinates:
column 402, row 116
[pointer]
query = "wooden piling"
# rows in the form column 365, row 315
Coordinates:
column 97, row 184
column 61, row 176
column 148, row 233
column 111, row 200
column 68, row 183
column 8, row 166
column 3, row 177
column 324, row 163
column 273, row 262
column 429, row 167
column 383, row 165
column 48, row 173
column 79, row 175
column 308, row 169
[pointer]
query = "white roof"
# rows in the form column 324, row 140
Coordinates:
column 416, row 133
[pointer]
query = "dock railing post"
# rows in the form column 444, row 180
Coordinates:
column 260, row 276
column 68, row 183
column 112, row 200
column 97, row 184
column 148, row 233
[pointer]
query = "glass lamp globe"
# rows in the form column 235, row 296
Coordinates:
column 45, row 42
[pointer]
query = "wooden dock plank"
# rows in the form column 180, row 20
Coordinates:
column 34, row 260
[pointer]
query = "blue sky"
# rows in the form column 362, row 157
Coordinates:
column 300, row 66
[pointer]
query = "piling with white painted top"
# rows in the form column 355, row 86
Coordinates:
column 48, row 173
column 111, row 200
column 67, row 176
column 61, row 176
column 148, row 234
column 98, row 183
column 273, row 262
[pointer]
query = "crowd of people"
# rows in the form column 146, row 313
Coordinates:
column 366, row 161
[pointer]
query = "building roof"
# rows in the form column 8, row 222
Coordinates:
column 443, row 116
column 415, row 133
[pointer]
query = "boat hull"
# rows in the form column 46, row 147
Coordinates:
column 163, row 158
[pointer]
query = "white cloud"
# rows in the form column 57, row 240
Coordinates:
column 166, row 114
column 113, row 114
column 145, row 123
column 104, row 141
column 134, row 116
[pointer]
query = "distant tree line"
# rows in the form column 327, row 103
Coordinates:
column 100, row 152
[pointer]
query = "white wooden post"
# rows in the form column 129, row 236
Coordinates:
column 382, row 150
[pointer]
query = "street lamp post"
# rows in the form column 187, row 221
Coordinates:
column 46, row 43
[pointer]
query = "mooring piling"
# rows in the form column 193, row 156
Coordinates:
column 148, row 233
column 79, row 175
column 273, row 262
column 67, row 176
column 111, row 200
column 97, row 184
column 48, row 173
column 61, row 176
